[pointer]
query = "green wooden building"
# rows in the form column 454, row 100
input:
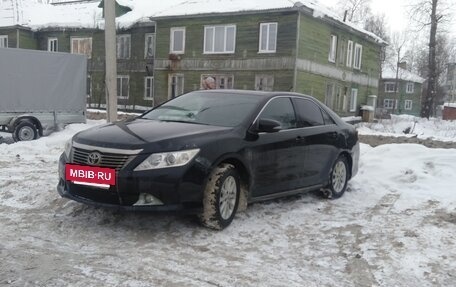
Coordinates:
column 283, row 47
column 288, row 49
column 399, row 93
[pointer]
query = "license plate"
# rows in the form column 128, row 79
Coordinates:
column 90, row 175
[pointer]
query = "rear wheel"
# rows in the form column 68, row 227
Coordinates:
column 338, row 178
column 25, row 131
column 221, row 197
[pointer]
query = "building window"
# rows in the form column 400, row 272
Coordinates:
column 123, row 86
column 389, row 87
column 410, row 88
column 349, row 53
column 332, row 49
column 177, row 40
column 3, row 41
column 388, row 104
column 219, row 39
column 353, row 100
column 149, row 89
column 358, row 56
column 176, row 85
column 53, row 45
column 81, row 46
column 221, row 81
column 264, row 82
column 149, row 50
column 329, row 95
column 408, row 104
column 123, row 46
column 268, row 38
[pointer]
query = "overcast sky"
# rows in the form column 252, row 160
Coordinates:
column 394, row 11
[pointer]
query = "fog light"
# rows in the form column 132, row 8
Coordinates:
column 147, row 199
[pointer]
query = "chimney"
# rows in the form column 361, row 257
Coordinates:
column 403, row 65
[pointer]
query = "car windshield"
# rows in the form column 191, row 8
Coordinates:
column 217, row 109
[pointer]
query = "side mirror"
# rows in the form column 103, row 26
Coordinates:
column 268, row 126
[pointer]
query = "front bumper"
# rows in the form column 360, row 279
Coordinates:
column 179, row 188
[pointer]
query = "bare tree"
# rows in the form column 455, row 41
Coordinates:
column 355, row 11
column 429, row 14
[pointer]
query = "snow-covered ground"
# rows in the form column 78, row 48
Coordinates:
column 422, row 128
column 395, row 226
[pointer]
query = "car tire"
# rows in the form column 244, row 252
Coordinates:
column 338, row 178
column 25, row 131
column 221, row 197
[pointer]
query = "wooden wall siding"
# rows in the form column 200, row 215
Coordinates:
column 247, row 35
column 315, row 85
column 314, row 38
column 244, row 80
column 12, row 36
column 278, row 63
column 337, row 73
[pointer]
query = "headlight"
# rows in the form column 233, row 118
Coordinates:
column 68, row 146
column 167, row 159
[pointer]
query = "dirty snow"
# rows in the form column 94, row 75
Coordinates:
column 394, row 227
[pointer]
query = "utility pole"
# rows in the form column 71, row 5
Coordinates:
column 111, row 60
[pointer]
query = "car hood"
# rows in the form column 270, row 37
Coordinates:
column 147, row 134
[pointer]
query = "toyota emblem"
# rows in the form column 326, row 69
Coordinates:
column 94, row 158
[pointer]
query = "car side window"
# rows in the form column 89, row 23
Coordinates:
column 327, row 118
column 281, row 110
column 309, row 114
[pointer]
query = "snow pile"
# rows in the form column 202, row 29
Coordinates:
column 422, row 128
column 32, row 162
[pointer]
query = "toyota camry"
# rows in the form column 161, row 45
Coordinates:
column 212, row 153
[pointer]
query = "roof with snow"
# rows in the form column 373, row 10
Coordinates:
column 405, row 75
column 38, row 14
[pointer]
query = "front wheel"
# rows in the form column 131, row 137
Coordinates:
column 338, row 178
column 221, row 197
column 25, row 131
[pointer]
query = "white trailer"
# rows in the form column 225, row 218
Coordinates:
column 41, row 91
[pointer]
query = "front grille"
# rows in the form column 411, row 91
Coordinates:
column 110, row 160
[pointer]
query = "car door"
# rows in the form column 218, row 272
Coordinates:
column 275, row 156
column 319, row 134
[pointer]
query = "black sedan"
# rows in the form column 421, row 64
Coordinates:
column 212, row 153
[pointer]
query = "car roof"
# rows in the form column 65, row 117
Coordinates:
column 264, row 94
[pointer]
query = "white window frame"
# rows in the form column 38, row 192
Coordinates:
column 72, row 39
column 119, row 91
column 410, row 88
column 212, row 50
column 408, row 104
column 358, row 56
column 119, row 42
column 388, row 104
column 349, row 54
column 146, row 46
column 222, row 81
column 149, row 96
column 268, row 35
column 389, row 84
column 170, row 83
column 53, row 44
column 261, row 86
column 3, row 41
column 171, row 41
column 353, row 100
column 332, row 49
